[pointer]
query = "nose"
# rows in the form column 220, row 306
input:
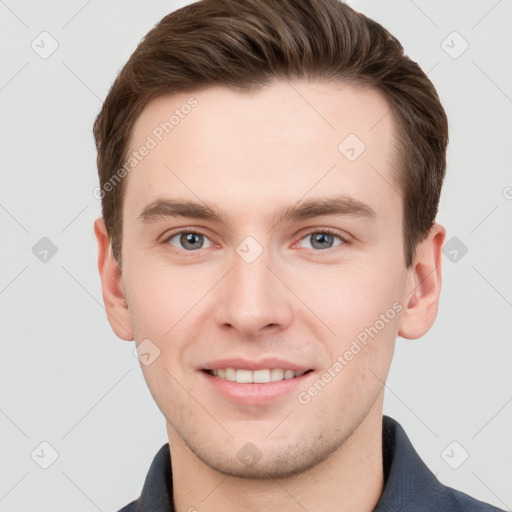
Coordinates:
column 252, row 298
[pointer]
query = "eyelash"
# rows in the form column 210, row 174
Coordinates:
column 326, row 231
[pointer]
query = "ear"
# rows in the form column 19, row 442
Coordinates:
column 423, row 286
column 112, row 285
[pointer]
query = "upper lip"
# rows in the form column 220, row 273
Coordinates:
column 261, row 364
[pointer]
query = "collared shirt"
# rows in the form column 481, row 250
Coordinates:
column 408, row 484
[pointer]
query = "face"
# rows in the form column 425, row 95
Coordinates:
column 262, row 239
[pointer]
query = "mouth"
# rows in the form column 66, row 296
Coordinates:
column 261, row 376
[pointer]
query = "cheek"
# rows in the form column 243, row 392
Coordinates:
column 159, row 298
column 350, row 299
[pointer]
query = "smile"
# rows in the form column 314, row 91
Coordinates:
column 263, row 376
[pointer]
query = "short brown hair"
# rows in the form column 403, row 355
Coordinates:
column 246, row 44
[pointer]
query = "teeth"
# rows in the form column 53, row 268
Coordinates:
column 276, row 374
column 243, row 376
column 261, row 376
column 289, row 374
column 257, row 376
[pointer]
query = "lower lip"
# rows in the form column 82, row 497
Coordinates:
column 251, row 394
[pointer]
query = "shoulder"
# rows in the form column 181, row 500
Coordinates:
column 131, row 507
column 157, row 489
column 456, row 501
column 409, row 483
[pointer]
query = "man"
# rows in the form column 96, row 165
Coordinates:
column 270, row 174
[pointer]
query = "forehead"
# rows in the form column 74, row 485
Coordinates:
column 274, row 145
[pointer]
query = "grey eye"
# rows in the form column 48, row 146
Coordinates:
column 322, row 240
column 189, row 240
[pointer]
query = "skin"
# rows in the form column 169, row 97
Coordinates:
column 250, row 155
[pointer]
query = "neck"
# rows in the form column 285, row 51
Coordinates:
column 350, row 479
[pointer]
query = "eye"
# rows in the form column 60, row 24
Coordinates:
column 323, row 239
column 188, row 240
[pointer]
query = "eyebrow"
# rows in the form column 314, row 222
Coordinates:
column 303, row 210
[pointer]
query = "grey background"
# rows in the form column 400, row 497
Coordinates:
column 67, row 380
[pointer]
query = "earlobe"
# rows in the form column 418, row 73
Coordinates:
column 424, row 286
column 112, row 284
